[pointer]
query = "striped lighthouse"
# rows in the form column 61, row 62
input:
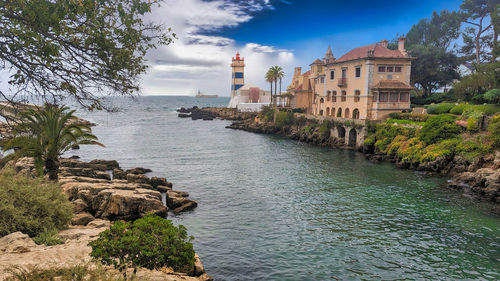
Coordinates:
column 238, row 79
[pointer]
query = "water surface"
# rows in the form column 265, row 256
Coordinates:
column 275, row 209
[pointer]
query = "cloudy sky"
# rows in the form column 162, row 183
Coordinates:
column 267, row 32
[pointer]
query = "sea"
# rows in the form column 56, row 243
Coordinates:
column 270, row 208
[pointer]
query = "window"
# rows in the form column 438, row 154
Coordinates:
column 381, row 68
column 405, row 97
column 321, row 100
column 328, row 95
column 238, row 75
column 357, row 95
column 394, row 97
column 375, row 97
column 398, row 69
column 334, row 96
column 384, row 97
column 344, row 97
column 322, row 80
column 332, row 74
column 358, row 72
column 390, row 69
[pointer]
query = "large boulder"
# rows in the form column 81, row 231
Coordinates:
column 156, row 181
column 84, row 172
column 109, row 164
column 82, row 219
column 138, row 178
column 16, row 242
column 79, row 206
column 138, row 171
column 119, row 174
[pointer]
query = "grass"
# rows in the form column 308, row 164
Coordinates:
column 73, row 273
column 48, row 237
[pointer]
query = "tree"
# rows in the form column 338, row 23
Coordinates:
column 439, row 31
column 269, row 78
column 83, row 50
column 478, row 40
column 45, row 134
column 433, row 67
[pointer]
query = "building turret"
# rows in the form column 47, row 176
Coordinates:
column 238, row 78
column 329, row 56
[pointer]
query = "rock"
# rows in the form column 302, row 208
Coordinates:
column 109, row 164
column 75, row 157
column 187, row 206
column 84, row 172
column 138, row 171
column 199, row 269
column 184, row 115
column 16, row 242
column 176, row 199
column 79, row 206
column 82, row 219
column 119, row 174
column 163, row 188
column 74, row 163
column 138, row 178
column 75, row 147
column 98, row 223
column 156, row 181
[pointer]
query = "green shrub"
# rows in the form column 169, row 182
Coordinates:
column 439, row 128
column 31, row 206
column 459, row 109
column 73, row 273
column 48, row 237
column 370, row 140
column 406, row 122
column 440, row 108
column 385, row 133
column 409, row 116
column 434, row 98
column 487, row 109
column 410, row 151
column 283, row 119
column 445, row 149
column 150, row 242
column 324, row 129
column 494, row 130
column 492, row 96
column 267, row 114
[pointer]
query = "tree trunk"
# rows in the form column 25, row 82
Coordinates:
column 280, row 86
column 52, row 168
column 271, row 92
column 478, row 59
column 275, row 90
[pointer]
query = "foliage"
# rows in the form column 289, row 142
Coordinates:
column 440, row 108
column 150, row 242
column 474, row 148
column 386, row 133
column 474, row 84
column 283, row 119
column 487, row 109
column 439, row 31
column 433, row 98
column 492, row 96
column 494, row 130
column 410, row 151
column 443, row 149
column 275, row 74
column 325, row 127
column 439, row 128
column 45, row 134
column 404, row 121
column 267, row 114
column 433, row 67
column 73, row 273
column 31, row 206
column 48, row 237
column 81, row 50
column 409, row 116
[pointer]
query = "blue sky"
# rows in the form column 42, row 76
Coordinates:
column 268, row 32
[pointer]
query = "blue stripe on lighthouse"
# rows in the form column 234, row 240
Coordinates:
column 238, row 75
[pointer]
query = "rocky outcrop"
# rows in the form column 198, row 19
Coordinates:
column 138, row 171
column 16, row 243
column 483, row 183
column 210, row 113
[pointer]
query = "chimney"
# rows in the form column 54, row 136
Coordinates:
column 401, row 45
column 298, row 71
column 384, row 43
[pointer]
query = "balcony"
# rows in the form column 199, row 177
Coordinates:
column 342, row 82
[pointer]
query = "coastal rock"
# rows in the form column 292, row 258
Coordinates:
column 82, row 219
column 79, row 206
column 187, row 206
column 163, row 188
column 84, row 172
column 108, row 164
column 483, row 183
column 177, row 199
column 119, row 174
column 184, row 115
column 16, row 242
column 199, row 269
column 138, row 178
column 74, row 163
column 156, row 181
column 138, row 171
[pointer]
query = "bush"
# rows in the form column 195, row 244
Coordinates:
column 492, row 96
column 283, row 119
column 151, row 242
column 409, row 116
column 459, row 109
column 48, row 237
column 440, row 108
column 434, row 98
column 406, row 122
column 73, row 273
column 386, row 133
column 471, row 150
column 487, row 109
column 445, row 149
column 324, row 129
column 267, row 114
column 410, row 151
column 494, row 130
column 439, row 128
column 31, row 206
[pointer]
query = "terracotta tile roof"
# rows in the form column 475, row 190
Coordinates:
column 378, row 50
column 317, row 61
column 306, row 73
column 391, row 84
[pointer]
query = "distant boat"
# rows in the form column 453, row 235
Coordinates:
column 200, row 95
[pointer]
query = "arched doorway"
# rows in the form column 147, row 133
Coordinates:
column 341, row 132
column 355, row 114
column 353, row 136
column 327, row 111
column 321, row 112
column 333, row 112
column 347, row 113
column 339, row 112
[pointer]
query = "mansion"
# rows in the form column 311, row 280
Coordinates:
column 366, row 83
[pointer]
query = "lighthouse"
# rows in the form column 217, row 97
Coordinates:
column 238, row 79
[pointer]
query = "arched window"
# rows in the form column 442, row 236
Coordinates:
column 333, row 112
column 328, row 95
column 355, row 114
column 327, row 111
column 321, row 112
column 347, row 113
column 357, row 95
column 339, row 112
column 334, row 96
column 344, row 96
column 322, row 100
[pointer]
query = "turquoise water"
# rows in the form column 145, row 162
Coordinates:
column 275, row 209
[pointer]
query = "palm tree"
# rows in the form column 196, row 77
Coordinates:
column 45, row 134
column 270, row 78
column 276, row 72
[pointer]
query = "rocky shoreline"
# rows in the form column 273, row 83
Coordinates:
column 100, row 192
column 210, row 113
column 479, row 178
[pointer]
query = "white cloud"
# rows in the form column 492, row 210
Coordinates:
column 201, row 62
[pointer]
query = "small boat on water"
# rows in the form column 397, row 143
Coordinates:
column 200, row 95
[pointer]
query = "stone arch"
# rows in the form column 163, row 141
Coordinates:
column 327, row 111
column 355, row 114
column 353, row 136
column 321, row 112
column 347, row 113
column 339, row 112
column 322, row 100
column 341, row 132
column 332, row 113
